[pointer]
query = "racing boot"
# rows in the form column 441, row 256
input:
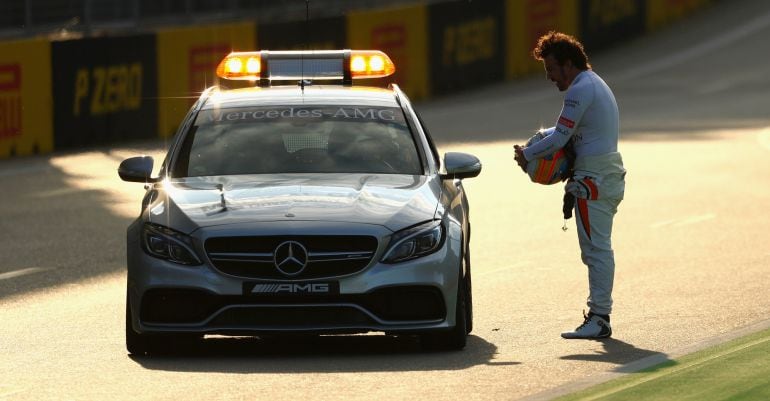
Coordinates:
column 594, row 326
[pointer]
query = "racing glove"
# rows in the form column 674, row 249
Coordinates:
column 583, row 188
column 568, row 203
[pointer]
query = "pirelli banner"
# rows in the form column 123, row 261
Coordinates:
column 25, row 98
column 401, row 33
column 663, row 12
column 608, row 22
column 104, row 90
column 187, row 61
column 316, row 34
column 526, row 21
column 466, row 44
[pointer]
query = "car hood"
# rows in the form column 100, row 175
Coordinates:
column 392, row 201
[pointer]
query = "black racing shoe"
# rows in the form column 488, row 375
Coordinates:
column 593, row 326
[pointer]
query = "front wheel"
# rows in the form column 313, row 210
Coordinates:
column 136, row 343
column 142, row 344
column 469, row 292
column 455, row 338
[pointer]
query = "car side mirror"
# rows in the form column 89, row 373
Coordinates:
column 461, row 165
column 137, row 169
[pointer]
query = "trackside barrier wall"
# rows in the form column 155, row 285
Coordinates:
column 607, row 22
column 320, row 34
column 187, row 60
column 466, row 39
column 527, row 20
column 65, row 94
column 402, row 33
column 104, row 90
column 664, row 12
column 25, row 98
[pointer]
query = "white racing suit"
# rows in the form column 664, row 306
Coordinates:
column 590, row 119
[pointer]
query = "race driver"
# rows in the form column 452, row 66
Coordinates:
column 589, row 124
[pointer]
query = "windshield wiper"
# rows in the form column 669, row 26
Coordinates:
column 221, row 189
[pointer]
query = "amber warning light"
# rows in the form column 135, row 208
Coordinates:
column 311, row 65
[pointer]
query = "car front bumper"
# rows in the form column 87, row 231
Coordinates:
column 409, row 297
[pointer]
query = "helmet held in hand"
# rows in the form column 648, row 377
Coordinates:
column 550, row 169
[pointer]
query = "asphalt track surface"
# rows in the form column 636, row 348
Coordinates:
column 691, row 241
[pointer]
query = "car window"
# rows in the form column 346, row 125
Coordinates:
column 307, row 139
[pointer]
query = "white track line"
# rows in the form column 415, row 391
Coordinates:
column 23, row 272
column 695, row 219
column 24, row 169
column 684, row 221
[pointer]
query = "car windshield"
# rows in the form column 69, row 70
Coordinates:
column 306, row 139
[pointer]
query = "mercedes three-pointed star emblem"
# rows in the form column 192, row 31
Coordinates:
column 290, row 258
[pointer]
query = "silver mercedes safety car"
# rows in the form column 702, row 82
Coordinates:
column 313, row 207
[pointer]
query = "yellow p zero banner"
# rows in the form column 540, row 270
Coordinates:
column 187, row 61
column 402, row 34
column 26, row 117
column 662, row 12
column 527, row 20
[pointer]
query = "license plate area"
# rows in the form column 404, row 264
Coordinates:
column 297, row 289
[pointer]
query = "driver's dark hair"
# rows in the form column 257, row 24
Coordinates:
column 563, row 47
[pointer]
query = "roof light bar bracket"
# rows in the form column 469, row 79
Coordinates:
column 264, row 72
column 347, row 76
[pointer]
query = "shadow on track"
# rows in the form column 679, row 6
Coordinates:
column 619, row 353
column 60, row 232
column 300, row 354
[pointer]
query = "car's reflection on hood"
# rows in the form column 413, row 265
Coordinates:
column 391, row 200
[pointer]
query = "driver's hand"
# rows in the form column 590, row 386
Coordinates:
column 519, row 157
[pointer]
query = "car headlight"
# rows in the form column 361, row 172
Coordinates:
column 165, row 243
column 415, row 242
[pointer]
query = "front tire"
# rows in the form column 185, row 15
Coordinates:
column 455, row 338
column 136, row 343
column 144, row 344
column 469, row 292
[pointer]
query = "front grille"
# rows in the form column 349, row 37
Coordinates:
column 327, row 256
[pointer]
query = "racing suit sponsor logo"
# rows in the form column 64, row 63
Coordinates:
column 571, row 103
column 566, row 122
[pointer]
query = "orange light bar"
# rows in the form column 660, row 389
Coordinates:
column 370, row 64
column 318, row 64
column 240, row 65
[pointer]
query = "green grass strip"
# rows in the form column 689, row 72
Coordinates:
column 736, row 370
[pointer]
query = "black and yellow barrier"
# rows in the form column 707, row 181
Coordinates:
column 526, row 21
column 25, row 98
column 92, row 91
column 320, row 34
column 187, row 58
column 402, row 33
column 607, row 22
column 663, row 12
column 105, row 90
column 466, row 44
